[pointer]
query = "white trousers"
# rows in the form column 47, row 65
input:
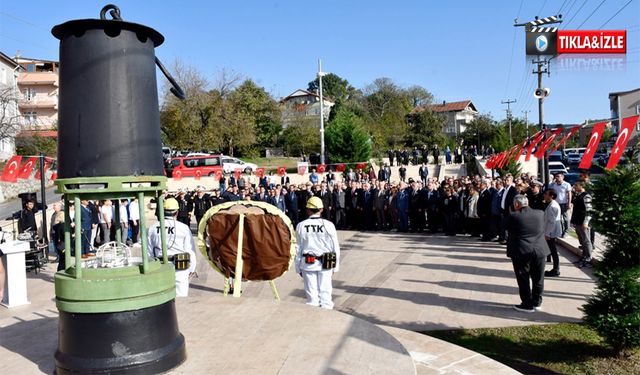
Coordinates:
column 317, row 287
column 182, row 283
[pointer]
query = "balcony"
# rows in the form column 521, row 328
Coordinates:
column 38, row 78
column 35, row 103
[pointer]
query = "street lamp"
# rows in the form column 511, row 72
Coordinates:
column 320, row 75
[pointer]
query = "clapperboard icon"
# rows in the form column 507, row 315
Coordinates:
column 541, row 40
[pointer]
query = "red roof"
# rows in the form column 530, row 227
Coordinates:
column 38, row 133
column 446, row 107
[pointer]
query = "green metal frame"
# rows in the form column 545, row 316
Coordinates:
column 85, row 290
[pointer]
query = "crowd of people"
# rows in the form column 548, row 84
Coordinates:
column 436, row 155
column 373, row 201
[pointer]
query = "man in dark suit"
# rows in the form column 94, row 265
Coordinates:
column 506, row 205
column 432, row 203
column 484, row 210
column 339, row 204
column 291, row 204
column 528, row 252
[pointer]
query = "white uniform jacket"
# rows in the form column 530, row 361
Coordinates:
column 316, row 236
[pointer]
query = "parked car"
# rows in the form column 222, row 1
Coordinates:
column 556, row 156
column 555, row 167
column 573, row 157
column 195, row 166
column 230, row 164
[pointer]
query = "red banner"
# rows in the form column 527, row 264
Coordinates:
column 11, row 169
column 322, row 168
column 361, row 165
column 281, row 171
column 341, row 168
column 237, row 172
column 47, row 164
column 260, row 172
column 592, row 147
column 547, row 142
column 592, row 41
column 535, row 140
column 621, row 142
column 27, row 168
column 571, row 132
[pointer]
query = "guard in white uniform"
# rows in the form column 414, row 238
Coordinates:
column 318, row 255
column 179, row 240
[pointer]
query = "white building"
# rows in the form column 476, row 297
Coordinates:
column 38, row 85
column 10, row 119
column 458, row 114
column 303, row 107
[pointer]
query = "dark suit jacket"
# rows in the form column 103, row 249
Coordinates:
column 526, row 234
column 484, row 204
column 508, row 202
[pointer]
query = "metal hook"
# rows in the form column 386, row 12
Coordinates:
column 113, row 10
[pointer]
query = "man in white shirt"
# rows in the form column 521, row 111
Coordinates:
column 106, row 220
column 552, row 229
column 179, row 241
column 134, row 217
column 564, row 195
column 317, row 256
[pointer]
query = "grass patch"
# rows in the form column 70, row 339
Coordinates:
column 566, row 348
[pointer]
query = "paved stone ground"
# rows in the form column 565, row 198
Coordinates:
column 413, row 282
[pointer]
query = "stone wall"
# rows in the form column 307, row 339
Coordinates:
column 10, row 190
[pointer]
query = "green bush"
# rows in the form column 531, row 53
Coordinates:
column 614, row 309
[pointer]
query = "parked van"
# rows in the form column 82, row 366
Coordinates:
column 194, row 166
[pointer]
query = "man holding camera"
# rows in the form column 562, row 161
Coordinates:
column 318, row 255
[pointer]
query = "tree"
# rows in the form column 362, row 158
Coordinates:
column 614, row 309
column 386, row 106
column 418, row 95
column 425, row 128
column 301, row 138
column 480, row 131
column 334, row 87
column 10, row 119
column 347, row 140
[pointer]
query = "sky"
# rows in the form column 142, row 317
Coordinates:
column 456, row 49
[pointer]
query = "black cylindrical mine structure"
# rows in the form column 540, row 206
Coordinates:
column 109, row 122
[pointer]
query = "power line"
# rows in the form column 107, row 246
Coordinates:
column 513, row 44
column 598, row 7
column 561, row 7
column 612, row 17
column 23, row 21
column 542, row 7
column 576, row 13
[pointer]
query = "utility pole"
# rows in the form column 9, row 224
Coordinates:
column 541, row 93
column 508, row 103
column 320, row 74
column 526, row 120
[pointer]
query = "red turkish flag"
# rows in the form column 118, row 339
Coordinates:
column 489, row 162
column 505, row 159
column 47, row 164
column 502, row 157
column 573, row 130
column 626, row 130
column 237, row 172
column 282, row 171
column 10, row 173
column 260, row 172
column 592, row 146
column 341, row 168
column 321, row 168
column 361, row 165
column 512, row 153
column 535, row 140
column 547, row 142
column 177, row 175
column 217, row 174
column 54, row 176
column 27, row 168
column 198, row 174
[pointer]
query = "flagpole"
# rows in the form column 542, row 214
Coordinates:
column 43, row 197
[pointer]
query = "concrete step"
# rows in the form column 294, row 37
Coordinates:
column 434, row 356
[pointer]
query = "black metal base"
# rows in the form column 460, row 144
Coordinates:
column 145, row 341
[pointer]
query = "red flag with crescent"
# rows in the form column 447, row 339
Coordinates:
column 322, row 168
column 490, row 162
column 504, row 159
column 260, row 172
column 282, row 171
column 217, row 174
column 534, row 141
column 54, row 176
column 571, row 132
column 624, row 134
column 341, row 168
column 237, row 172
column 177, row 175
column 361, row 165
column 47, row 164
column 547, row 142
column 11, row 169
column 27, row 168
column 592, row 146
